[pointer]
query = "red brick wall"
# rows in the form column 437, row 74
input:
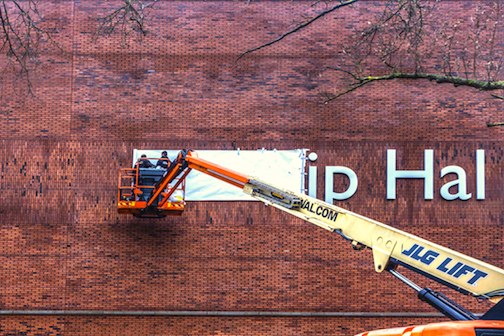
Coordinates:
column 221, row 326
column 64, row 247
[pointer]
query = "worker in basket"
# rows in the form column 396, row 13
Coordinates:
column 143, row 162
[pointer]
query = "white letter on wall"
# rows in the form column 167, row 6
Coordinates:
column 461, row 181
column 480, row 174
column 330, row 195
column 427, row 174
column 312, row 181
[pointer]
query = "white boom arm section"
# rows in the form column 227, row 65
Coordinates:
column 390, row 246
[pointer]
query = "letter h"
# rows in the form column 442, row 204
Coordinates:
column 427, row 174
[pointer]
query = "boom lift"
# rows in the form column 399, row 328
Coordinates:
column 150, row 193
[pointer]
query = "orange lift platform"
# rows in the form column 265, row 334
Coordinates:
column 155, row 193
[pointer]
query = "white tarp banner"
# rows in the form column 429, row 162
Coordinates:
column 282, row 168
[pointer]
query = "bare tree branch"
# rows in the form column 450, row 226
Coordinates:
column 398, row 38
column 495, row 124
column 456, row 81
column 131, row 16
column 298, row 27
column 21, row 35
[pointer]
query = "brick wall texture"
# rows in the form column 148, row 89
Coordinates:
column 64, row 247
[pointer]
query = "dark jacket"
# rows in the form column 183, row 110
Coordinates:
column 145, row 163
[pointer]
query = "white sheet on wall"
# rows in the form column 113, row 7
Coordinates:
column 283, row 168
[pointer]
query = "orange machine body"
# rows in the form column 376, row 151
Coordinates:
column 452, row 328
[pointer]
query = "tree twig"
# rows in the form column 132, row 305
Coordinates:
column 298, row 28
